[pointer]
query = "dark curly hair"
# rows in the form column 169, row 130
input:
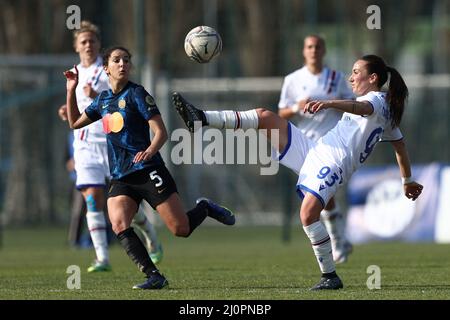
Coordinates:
column 107, row 53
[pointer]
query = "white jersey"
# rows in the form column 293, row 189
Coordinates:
column 90, row 148
column 327, row 85
column 97, row 78
column 355, row 136
column 325, row 165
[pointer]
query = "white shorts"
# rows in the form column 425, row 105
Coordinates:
column 319, row 173
column 296, row 150
column 91, row 164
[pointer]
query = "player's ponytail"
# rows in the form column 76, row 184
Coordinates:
column 397, row 90
column 397, row 95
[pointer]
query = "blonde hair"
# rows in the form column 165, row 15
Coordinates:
column 318, row 37
column 86, row 26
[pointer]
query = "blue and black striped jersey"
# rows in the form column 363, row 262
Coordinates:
column 125, row 118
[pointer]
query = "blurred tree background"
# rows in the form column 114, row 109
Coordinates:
column 262, row 38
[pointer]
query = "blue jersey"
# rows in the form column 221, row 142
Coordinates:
column 125, row 118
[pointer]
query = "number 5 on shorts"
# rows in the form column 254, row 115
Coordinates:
column 153, row 176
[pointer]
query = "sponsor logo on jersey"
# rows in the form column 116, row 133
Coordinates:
column 113, row 122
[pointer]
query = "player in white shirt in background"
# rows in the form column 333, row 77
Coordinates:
column 91, row 154
column 328, row 163
column 315, row 81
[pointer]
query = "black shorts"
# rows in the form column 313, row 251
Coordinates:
column 154, row 185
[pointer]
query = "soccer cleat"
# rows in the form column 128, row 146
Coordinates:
column 217, row 212
column 341, row 253
column 188, row 112
column 154, row 282
column 328, row 284
column 157, row 255
column 98, row 266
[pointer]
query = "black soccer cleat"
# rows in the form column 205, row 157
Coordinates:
column 188, row 112
column 215, row 211
column 154, row 282
column 334, row 283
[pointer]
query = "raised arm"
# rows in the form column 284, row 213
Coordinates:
column 159, row 138
column 76, row 120
column 356, row 107
column 411, row 188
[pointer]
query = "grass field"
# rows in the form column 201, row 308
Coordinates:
column 220, row 263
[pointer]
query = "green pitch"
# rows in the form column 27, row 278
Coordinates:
column 221, row 263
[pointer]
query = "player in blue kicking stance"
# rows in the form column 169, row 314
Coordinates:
column 137, row 169
column 90, row 152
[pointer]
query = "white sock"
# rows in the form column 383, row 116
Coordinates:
column 97, row 228
column 321, row 245
column 335, row 223
column 142, row 223
column 232, row 119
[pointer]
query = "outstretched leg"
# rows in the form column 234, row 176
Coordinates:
column 258, row 118
column 182, row 223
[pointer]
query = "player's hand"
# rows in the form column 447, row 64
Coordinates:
column 300, row 105
column 62, row 112
column 412, row 190
column 89, row 92
column 72, row 79
column 142, row 156
column 315, row 106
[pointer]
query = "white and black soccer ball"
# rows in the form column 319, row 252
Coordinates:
column 202, row 44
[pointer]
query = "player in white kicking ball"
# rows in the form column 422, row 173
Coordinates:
column 328, row 163
column 315, row 81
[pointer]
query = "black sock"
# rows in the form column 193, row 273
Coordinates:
column 330, row 275
column 196, row 216
column 136, row 251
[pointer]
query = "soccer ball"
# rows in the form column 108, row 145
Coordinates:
column 202, row 44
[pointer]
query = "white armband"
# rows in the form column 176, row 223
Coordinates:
column 295, row 108
column 407, row 180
